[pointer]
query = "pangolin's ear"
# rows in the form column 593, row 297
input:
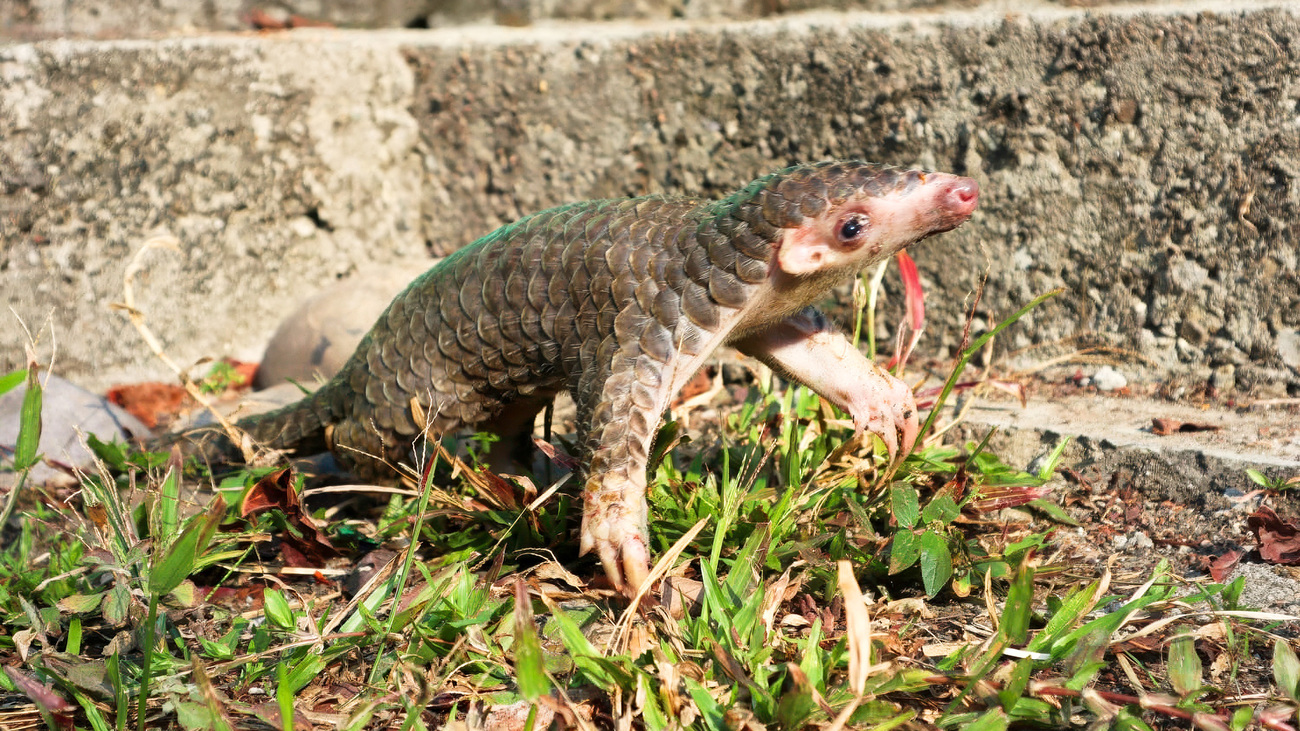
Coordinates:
column 805, row 250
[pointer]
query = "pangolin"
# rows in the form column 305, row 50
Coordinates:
column 619, row 302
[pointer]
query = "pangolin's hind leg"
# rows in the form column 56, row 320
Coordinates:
column 514, row 426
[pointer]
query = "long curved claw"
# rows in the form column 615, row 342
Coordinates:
column 885, row 407
column 612, row 528
column 626, row 561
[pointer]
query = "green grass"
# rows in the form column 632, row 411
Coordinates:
column 128, row 606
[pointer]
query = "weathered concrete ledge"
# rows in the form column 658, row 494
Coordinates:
column 1147, row 163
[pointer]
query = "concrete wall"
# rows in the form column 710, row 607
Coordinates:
column 106, row 19
column 1150, row 164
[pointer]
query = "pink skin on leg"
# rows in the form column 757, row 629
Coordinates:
column 804, row 348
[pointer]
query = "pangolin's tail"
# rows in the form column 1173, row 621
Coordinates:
column 298, row 428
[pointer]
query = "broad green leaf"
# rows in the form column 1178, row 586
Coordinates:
column 93, row 714
column 276, row 608
column 1184, row 665
column 166, row 513
column 904, row 549
column 1128, row 721
column 941, row 509
column 905, row 504
column 10, row 381
column 304, row 672
column 1257, row 477
column 79, row 603
column 216, row 650
column 29, row 425
column 811, row 663
column 178, row 560
column 1011, row 694
column 194, row 716
column 797, row 703
column 579, row 647
column 992, row 720
column 1019, row 606
column 1106, row 624
column 936, row 562
column 117, row 605
column 1049, row 466
column 186, row 595
column 1078, row 603
column 530, row 669
column 655, row 717
column 1286, row 670
column 284, row 697
column 110, row 452
column 710, row 711
column 1052, row 510
column 73, row 645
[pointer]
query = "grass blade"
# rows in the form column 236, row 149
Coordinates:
column 970, row 352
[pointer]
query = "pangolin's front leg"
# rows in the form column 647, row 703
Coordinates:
column 618, row 420
column 806, row 348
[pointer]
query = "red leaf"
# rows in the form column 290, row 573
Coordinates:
column 43, row 696
column 1165, row 427
column 1279, row 540
column 997, row 498
column 915, row 297
column 1223, row 565
column 560, row 458
column 310, row 547
column 272, row 491
column 701, row 382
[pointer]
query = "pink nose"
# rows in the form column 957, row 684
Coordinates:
column 954, row 199
column 961, row 196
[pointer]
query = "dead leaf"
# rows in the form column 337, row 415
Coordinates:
column 304, row 546
column 560, row 458
column 150, row 402
column 1165, row 427
column 859, row 628
column 1223, row 565
column 700, row 383
column 1279, row 540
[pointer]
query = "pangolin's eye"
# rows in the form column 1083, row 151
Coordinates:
column 852, row 227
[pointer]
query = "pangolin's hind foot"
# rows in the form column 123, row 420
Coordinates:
column 613, row 526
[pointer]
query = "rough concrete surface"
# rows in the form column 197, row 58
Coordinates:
column 1148, row 164
column 260, row 157
column 36, row 19
column 1263, row 438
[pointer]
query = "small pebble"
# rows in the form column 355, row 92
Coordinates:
column 1108, row 379
column 316, row 340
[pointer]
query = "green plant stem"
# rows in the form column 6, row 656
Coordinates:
column 147, row 663
column 968, row 353
column 13, row 496
column 425, row 483
column 283, row 697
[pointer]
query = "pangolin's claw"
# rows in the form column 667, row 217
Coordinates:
column 887, row 409
column 636, row 565
column 627, row 566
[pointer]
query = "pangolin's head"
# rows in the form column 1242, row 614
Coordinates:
column 836, row 218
